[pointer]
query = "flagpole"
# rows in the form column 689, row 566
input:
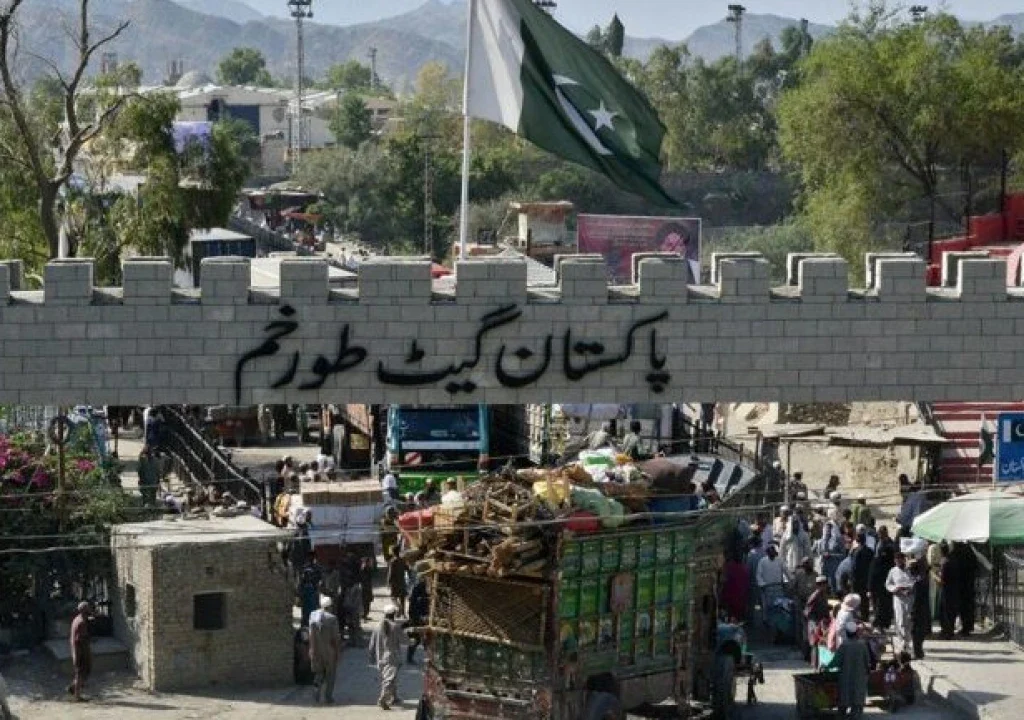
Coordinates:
column 981, row 450
column 464, row 205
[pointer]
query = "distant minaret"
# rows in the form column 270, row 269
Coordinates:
column 175, row 69
column 108, row 63
column 373, row 67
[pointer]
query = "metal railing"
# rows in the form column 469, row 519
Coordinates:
column 703, row 440
column 268, row 240
column 1008, row 593
column 198, row 460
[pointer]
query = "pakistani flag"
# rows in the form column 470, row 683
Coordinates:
column 986, row 446
column 528, row 73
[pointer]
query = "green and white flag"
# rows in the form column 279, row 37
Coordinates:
column 528, row 73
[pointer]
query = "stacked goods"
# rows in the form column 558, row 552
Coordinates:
column 500, row 528
column 509, row 524
column 347, row 493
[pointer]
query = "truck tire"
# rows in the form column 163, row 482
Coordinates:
column 723, row 694
column 603, row 706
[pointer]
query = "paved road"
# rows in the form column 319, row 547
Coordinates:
column 117, row 698
column 776, row 696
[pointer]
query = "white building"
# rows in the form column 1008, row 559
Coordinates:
column 269, row 111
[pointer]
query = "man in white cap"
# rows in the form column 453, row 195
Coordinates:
column 770, row 578
column 853, row 661
column 901, row 585
column 324, row 649
column 386, row 653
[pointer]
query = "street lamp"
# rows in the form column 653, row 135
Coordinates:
column 300, row 10
column 736, row 16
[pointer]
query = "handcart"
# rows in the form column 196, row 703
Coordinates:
column 817, row 694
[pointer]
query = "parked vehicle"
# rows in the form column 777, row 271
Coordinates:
column 344, row 515
column 236, row 425
column 626, row 617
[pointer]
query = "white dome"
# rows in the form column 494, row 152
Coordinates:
column 193, row 79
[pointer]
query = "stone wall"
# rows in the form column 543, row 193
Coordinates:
column 255, row 647
column 398, row 338
column 134, row 566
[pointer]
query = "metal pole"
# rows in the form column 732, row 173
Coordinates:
column 428, row 234
column 464, row 209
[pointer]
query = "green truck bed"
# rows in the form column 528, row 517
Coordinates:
column 616, row 604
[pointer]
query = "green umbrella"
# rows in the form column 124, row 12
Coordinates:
column 993, row 515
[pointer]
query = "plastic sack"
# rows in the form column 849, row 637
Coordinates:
column 553, row 492
column 611, row 512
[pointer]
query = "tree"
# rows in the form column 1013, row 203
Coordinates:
column 885, row 108
column 351, row 122
column 47, row 153
column 351, row 75
column 244, row 66
column 595, row 38
column 185, row 188
column 432, row 109
column 615, row 37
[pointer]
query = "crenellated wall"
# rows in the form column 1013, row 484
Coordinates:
column 400, row 339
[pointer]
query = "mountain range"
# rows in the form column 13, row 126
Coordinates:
column 201, row 32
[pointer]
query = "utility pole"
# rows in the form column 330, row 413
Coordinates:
column 736, row 17
column 805, row 38
column 917, row 12
column 428, row 196
column 300, row 10
column 373, row 67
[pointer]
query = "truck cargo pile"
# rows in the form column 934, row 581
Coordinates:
column 508, row 524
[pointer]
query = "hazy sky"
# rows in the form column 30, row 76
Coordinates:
column 670, row 19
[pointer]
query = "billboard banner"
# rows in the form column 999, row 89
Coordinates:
column 618, row 237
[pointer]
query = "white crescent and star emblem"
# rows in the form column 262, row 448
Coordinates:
column 602, row 117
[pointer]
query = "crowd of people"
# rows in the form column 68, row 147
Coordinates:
column 823, row 574
column 335, row 598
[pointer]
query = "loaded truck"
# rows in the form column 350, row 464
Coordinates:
column 624, row 618
column 421, row 442
column 345, row 516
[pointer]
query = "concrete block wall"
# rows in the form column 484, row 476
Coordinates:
column 254, row 649
column 401, row 338
column 134, row 566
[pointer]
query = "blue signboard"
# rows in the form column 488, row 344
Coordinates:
column 1009, row 460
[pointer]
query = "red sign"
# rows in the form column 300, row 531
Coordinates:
column 618, row 237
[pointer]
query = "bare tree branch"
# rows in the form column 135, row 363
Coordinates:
column 13, row 93
column 50, row 64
